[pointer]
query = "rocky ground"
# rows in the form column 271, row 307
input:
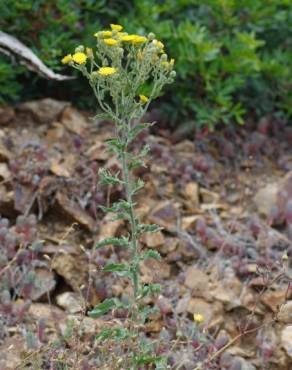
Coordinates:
column 224, row 201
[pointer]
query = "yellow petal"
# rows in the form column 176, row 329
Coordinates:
column 143, row 99
column 116, row 27
column 67, row 59
column 79, row 58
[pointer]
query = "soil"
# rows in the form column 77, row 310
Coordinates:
column 224, row 201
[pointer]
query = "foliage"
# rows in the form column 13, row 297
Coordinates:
column 118, row 70
column 19, row 251
column 232, row 56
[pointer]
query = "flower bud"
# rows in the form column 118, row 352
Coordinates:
column 79, row 49
column 89, row 53
column 151, row 36
column 164, row 57
column 172, row 74
column 120, row 51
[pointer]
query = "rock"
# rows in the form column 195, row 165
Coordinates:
column 182, row 305
column 286, row 340
column 109, row 228
column 226, row 289
column 191, row 193
column 272, row 199
column 153, row 240
column 6, row 115
column 165, row 214
column 45, row 283
column 5, row 155
column 85, row 325
column 273, row 299
column 73, row 120
column 188, row 223
column 226, row 296
column 170, row 245
column 212, row 312
column 209, row 196
column 153, row 271
column 241, row 364
column 75, row 212
column 70, row 301
column 10, row 353
column 196, row 280
column 72, row 269
column 5, row 173
column 285, row 313
column 266, row 199
column 164, row 305
column 46, row 312
column 44, row 110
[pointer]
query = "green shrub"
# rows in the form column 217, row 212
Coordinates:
column 232, row 56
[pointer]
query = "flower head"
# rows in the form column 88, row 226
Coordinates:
column 143, row 99
column 198, row 318
column 128, row 38
column 79, row 58
column 110, row 42
column 116, row 27
column 67, row 59
column 107, row 71
column 103, row 34
column 139, row 40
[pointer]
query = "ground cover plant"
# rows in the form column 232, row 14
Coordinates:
column 208, row 199
column 233, row 57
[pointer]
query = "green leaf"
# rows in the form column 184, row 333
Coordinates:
column 136, row 162
column 122, row 242
column 109, row 179
column 135, row 130
column 115, row 267
column 103, row 308
column 116, row 333
column 149, row 289
column 121, row 205
column 147, row 228
column 138, row 185
column 150, row 254
column 121, row 216
column 116, row 145
column 103, row 117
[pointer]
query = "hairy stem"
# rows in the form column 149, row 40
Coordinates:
column 133, row 224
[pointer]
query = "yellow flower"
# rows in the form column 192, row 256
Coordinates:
column 198, row 318
column 67, row 59
column 79, row 58
column 110, row 42
column 116, row 27
column 107, row 71
column 128, row 38
column 143, row 99
column 139, row 40
column 103, row 34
